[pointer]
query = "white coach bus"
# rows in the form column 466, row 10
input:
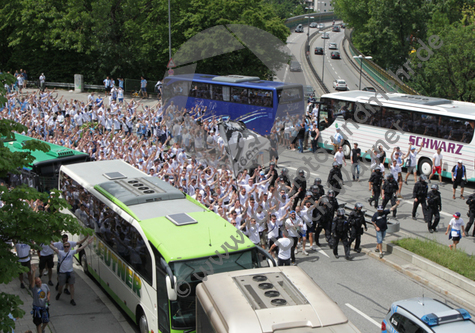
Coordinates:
column 401, row 120
column 265, row 300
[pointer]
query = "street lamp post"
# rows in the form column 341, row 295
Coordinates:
column 361, row 65
column 319, row 11
column 308, row 29
column 324, row 53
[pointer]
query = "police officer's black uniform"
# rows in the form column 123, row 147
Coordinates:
column 356, row 220
column 420, row 193
column 434, row 206
column 390, row 189
column 471, row 213
column 323, row 221
column 340, row 230
column 299, row 186
column 376, row 180
column 335, row 178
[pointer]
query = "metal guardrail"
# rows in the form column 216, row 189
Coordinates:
column 292, row 22
column 71, row 85
column 381, row 75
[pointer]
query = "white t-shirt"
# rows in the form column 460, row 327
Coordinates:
column 66, row 261
column 437, row 159
column 291, row 226
column 412, row 156
column 339, row 157
column 457, row 224
column 23, row 252
column 395, row 170
column 284, row 245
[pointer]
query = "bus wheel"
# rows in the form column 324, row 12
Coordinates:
column 143, row 324
column 346, row 150
column 84, row 263
column 425, row 166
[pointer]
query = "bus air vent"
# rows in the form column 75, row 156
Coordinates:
column 181, row 219
column 114, row 175
column 278, row 290
column 60, row 152
column 139, row 190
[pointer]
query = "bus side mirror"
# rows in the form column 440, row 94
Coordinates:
column 172, row 293
column 271, row 263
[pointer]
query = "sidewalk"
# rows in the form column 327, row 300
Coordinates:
column 94, row 312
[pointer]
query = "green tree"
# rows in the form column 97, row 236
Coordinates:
column 448, row 71
column 17, row 220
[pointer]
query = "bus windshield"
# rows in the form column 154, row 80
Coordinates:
column 191, row 272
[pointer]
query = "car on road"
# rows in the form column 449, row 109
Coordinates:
column 340, row 85
column 335, row 55
column 313, row 25
column 295, row 66
column 332, row 46
column 336, row 28
column 325, row 35
column 321, row 26
column 319, row 50
column 369, row 89
column 299, row 28
column 423, row 314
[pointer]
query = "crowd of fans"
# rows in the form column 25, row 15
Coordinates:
column 176, row 145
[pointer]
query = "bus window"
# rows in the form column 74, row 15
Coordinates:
column 200, row 90
column 290, row 95
column 239, row 95
column 216, row 92
column 374, row 113
column 456, row 129
column 226, row 94
column 260, row 97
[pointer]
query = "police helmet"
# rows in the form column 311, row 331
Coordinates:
column 317, row 181
column 324, row 200
column 340, row 212
column 358, row 205
column 272, row 163
column 331, row 193
column 378, row 168
column 314, row 188
column 308, row 193
column 435, row 187
column 334, row 164
column 301, row 173
column 285, row 171
column 423, row 178
column 390, row 176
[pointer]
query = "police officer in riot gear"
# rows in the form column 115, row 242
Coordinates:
column 273, row 173
column 300, row 187
column 390, row 188
column 335, row 178
column 334, row 205
column 434, row 206
column 356, row 220
column 471, row 213
column 419, row 194
column 285, row 176
column 340, row 230
column 318, row 182
column 323, row 221
column 375, row 182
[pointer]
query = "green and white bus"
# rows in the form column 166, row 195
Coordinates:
column 43, row 172
column 153, row 244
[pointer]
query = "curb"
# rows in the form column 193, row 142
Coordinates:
column 431, row 284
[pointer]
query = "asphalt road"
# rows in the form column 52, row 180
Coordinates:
column 365, row 288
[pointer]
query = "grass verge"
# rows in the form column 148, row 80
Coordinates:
column 457, row 261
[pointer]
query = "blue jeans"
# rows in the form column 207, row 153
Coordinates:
column 301, row 145
column 380, row 236
column 355, row 167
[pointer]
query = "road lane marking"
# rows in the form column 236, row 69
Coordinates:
column 441, row 212
column 364, row 315
column 319, row 250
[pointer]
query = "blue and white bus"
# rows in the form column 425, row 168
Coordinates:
column 255, row 102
